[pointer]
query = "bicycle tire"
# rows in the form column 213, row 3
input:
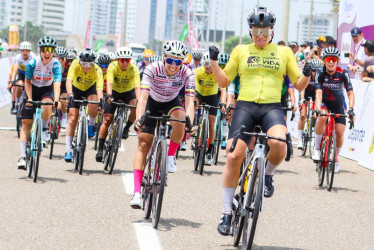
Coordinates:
column 18, row 121
column 37, row 150
column 217, row 143
column 255, row 197
column 82, row 146
column 196, row 152
column 53, row 135
column 203, row 146
column 29, row 159
column 116, row 141
column 108, row 146
column 238, row 221
column 147, row 187
column 305, row 143
column 158, row 183
column 321, row 169
column 311, row 137
column 98, row 125
column 330, row 170
column 177, row 153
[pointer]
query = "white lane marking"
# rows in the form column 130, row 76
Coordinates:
column 8, row 128
column 128, row 181
column 147, row 236
column 122, row 148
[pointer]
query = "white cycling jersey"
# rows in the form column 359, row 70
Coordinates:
column 43, row 75
column 22, row 63
column 164, row 88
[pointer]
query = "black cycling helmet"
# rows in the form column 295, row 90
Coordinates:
column 261, row 17
column 61, row 52
column 87, row 55
column 47, row 41
column 104, row 59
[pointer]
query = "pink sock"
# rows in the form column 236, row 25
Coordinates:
column 138, row 176
column 173, row 147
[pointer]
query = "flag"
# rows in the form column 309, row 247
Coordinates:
column 98, row 45
column 184, row 34
column 87, row 40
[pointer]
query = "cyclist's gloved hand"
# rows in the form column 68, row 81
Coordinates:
column 109, row 99
column 302, row 101
column 307, row 69
column 316, row 113
column 70, row 98
column 213, row 53
column 351, row 114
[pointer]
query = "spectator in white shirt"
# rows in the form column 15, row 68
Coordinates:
column 358, row 56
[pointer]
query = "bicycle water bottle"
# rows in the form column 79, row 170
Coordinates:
column 224, row 128
column 247, row 178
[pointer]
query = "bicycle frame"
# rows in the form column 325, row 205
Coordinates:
column 38, row 116
column 329, row 129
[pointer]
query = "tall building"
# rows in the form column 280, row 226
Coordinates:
column 52, row 17
column 322, row 25
column 99, row 17
column 131, row 17
column 10, row 12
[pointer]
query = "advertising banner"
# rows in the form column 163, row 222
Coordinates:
column 88, row 34
column 5, row 66
column 13, row 42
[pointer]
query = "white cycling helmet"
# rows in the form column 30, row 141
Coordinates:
column 71, row 55
column 25, row 45
column 124, row 52
column 331, row 51
column 197, row 54
column 175, row 48
column 112, row 56
column 206, row 57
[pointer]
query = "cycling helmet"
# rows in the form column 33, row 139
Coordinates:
column 197, row 54
column 261, row 17
column 223, row 58
column 47, row 41
column 71, row 55
column 187, row 59
column 331, row 51
column 316, row 64
column 87, row 55
column 175, row 48
column 25, row 45
column 206, row 57
column 155, row 58
column 73, row 50
column 104, row 59
column 112, row 56
column 61, row 52
column 123, row 52
column 148, row 53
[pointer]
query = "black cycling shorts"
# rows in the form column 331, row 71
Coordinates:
column 251, row 114
column 79, row 95
column 63, row 86
column 20, row 77
column 211, row 100
column 38, row 94
column 126, row 97
column 336, row 107
column 157, row 109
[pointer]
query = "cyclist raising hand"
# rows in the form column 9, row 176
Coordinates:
column 261, row 66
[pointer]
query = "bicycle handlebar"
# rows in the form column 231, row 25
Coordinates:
column 40, row 103
column 351, row 125
column 124, row 104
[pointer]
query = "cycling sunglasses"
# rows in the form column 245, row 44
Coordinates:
column 124, row 60
column 222, row 66
column 263, row 31
column 87, row 64
column 170, row 61
column 47, row 49
column 104, row 66
column 60, row 58
column 331, row 58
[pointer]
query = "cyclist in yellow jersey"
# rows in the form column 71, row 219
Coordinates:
column 84, row 80
column 123, row 79
column 261, row 66
column 103, row 61
column 206, row 90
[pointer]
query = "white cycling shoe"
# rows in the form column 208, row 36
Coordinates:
column 136, row 201
column 316, row 155
column 171, row 164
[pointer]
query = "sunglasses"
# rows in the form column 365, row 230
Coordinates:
column 47, row 49
column 264, row 32
column 104, row 66
column 87, row 64
column 222, row 66
column 124, row 60
column 331, row 58
column 170, row 61
column 60, row 58
column 145, row 58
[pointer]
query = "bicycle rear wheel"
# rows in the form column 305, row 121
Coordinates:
column 311, row 137
column 217, row 143
column 53, row 134
column 37, row 149
column 116, row 141
column 321, row 170
column 158, row 182
column 97, row 130
column 196, row 152
column 254, row 200
column 305, row 143
column 108, row 147
column 238, row 221
column 82, row 145
column 19, row 121
column 330, row 169
column 203, row 146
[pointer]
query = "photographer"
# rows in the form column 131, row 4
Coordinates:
column 368, row 72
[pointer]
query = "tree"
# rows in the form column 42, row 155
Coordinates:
column 232, row 41
column 156, row 46
column 33, row 34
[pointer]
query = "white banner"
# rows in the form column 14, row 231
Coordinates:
column 5, row 66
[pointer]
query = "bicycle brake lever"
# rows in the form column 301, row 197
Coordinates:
column 289, row 147
column 237, row 134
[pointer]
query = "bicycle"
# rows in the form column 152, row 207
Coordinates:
column 329, row 155
column 20, row 107
column 202, row 138
column 114, row 138
column 308, row 133
column 218, row 128
column 155, row 175
column 97, row 125
column 54, row 128
column 80, row 140
column 35, row 145
column 248, row 203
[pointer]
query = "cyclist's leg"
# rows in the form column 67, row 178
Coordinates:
column 320, row 129
column 63, row 106
column 211, row 100
column 107, row 120
column 129, row 98
column 302, row 122
column 72, row 122
column 92, row 109
column 27, row 120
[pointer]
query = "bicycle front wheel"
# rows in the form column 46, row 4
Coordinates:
column 29, row 159
column 82, row 145
column 159, row 179
column 253, row 202
column 116, row 141
column 53, row 135
column 147, row 188
column 217, row 143
column 311, row 137
column 320, row 169
column 18, row 121
column 331, row 156
column 203, row 146
column 238, row 221
column 37, row 149
column 97, row 126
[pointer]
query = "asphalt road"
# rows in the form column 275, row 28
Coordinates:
column 91, row 211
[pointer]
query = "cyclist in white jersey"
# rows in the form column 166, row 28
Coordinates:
column 43, row 80
column 159, row 91
column 20, row 63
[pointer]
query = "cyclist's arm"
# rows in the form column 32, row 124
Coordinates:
column 349, row 88
column 14, row 73
column 302, row 95
column 57, row 77
column 318, row 99
column 223, row 95
column 219, row 74
column 28, row 89
column 28, row 76
column 142, row 102
column 70, row 77
column 351, row 98
column 190, row 109
column 291, row 93
column 301, row 83
column 69, row 86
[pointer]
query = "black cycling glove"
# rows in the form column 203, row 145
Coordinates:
column 213, row 53
column 351, row 114
column 307, row 69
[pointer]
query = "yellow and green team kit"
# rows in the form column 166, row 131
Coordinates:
column 123, row 80
column 205, row 84
column 262, row 71
column 83, row 81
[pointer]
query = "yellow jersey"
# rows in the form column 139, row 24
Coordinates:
column 83, row 81
column 123, row 80
column 262, row 71
column 205, row 84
